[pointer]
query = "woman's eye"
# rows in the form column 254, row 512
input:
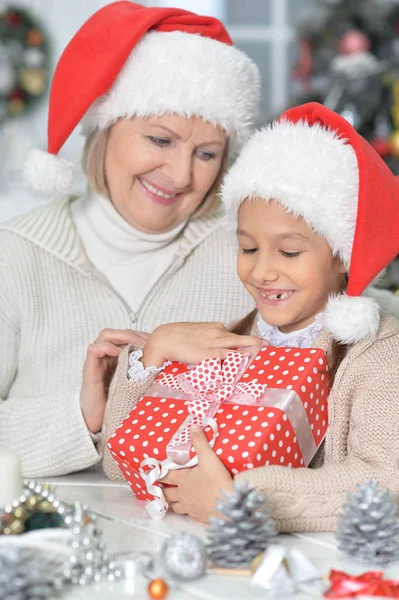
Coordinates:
column 248, row 250
column 290, row 254
column 205, row 155
column 160, row 142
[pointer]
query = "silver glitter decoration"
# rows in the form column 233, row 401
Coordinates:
column 368, row 527
column 88, row 560
column 184, row 557
column 27, row 574
column 244, row 532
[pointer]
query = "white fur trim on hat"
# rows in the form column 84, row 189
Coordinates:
column 186, row 74
column 46, row 173
column 310, row 171
column 351, row 318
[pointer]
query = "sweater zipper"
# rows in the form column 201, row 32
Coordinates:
column 135, row 315
column 173, row 267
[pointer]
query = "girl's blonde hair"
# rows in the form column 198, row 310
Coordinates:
column 93, row 163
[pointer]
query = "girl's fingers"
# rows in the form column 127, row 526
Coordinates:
column 102, row 349
column 171, row 494
column 121, row 336
column 241, row 341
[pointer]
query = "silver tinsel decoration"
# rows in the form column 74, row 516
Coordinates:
column 368, row 527
column 235, row 540
column 184, row 557
column 88, row 560
column 27, row 574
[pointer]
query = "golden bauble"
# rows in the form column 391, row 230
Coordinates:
column 394, row 140
column 46, row 507
column 16, row 106
column 20, row 512
column 32, row 501
column 158, row 589
column 16, row 527
column 33, row 81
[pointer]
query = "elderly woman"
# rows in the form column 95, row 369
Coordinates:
column 164, row 98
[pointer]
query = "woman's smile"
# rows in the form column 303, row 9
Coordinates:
column 156, row 194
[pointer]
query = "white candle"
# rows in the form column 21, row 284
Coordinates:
column 10, row 477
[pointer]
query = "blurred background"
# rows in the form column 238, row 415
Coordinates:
column 343, row 53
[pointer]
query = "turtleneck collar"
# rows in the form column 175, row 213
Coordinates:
column 302, row 338
column 115, row 235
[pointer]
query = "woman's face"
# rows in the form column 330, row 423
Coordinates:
column 160, row 169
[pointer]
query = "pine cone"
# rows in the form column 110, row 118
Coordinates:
column 235, row 540
column 368, row 528
column 20, row 577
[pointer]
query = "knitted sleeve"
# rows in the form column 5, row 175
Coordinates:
column 122, row 398
column 363, row 412
column 47, row 432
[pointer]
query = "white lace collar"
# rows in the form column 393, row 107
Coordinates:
column 302, row 338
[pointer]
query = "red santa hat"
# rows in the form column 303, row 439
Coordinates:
column 129, row 60
column 314, row 163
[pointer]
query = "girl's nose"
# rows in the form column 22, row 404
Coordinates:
column 264, row 271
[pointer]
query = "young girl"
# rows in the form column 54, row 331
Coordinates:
column 317, row 217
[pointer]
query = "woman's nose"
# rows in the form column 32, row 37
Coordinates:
column 179, row 170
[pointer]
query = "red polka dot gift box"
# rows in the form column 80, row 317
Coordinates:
column 270, row 409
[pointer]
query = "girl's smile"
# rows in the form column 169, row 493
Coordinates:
column 275, row 297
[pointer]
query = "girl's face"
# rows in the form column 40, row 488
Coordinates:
column 160, row 169
column 288, row 270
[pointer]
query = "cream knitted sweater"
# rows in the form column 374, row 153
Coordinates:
column 362, row 441
column 53, row 303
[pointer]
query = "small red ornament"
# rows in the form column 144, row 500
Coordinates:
column 13, row 18
column 16, row 94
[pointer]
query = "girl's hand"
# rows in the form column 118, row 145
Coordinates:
column 98, row 369
column 198, row 488
column 193, row 342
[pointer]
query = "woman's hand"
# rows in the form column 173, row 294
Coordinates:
column 193, row 342
column 197, row 489
column 98, row 369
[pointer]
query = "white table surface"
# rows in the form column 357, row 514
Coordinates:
column 127, row 527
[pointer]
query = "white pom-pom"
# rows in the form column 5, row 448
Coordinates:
column 352, row 318
column 47, row 173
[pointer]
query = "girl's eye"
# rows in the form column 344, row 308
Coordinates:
column 248, row 250
column 290, row 254
column 205, row 155
column 160, row 142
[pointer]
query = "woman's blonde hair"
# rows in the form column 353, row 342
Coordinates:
column 93, row 163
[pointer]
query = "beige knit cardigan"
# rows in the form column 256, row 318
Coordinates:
column 54, row 303
column 362, row 441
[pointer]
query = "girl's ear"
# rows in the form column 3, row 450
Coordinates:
column 341, row 269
